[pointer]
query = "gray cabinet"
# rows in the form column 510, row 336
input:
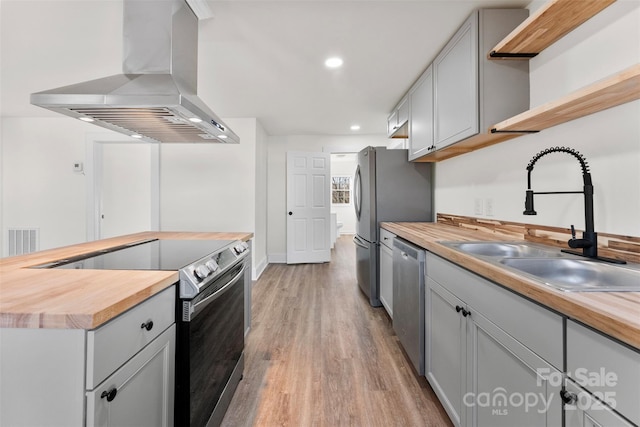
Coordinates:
column 485, row 362
column 67, row 377
column 421, row 116
column 600, row 370
column 140, row 393
column 471, row 93
column 446, row 349
column 386, row 270
column 397, row 123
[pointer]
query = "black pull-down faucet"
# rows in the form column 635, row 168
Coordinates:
column 589, row 241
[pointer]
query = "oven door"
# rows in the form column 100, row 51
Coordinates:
column 210, row 345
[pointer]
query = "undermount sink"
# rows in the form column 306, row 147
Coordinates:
column 579, row 275
column 550, row 266
column 505, row 249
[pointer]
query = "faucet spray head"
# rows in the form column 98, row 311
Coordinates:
column 528, row 204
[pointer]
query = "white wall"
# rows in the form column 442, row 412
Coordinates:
column 39, row 187
column 345, row 165
column 277, row 173
column 212, row 187
column 610, row 140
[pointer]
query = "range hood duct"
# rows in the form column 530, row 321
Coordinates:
column 155, row 98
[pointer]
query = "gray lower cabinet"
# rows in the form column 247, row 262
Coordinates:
column 484, row 360
column 603, row 380
column 471, row 92
column 386, row 270
column 142, row 389
column 121, row 373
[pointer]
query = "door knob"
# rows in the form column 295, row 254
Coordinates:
column 290, row 213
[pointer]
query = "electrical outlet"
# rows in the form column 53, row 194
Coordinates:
column 488, row 207
column 477, row 206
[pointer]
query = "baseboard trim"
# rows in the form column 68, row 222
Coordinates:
column 259, row 269
column 277, row 258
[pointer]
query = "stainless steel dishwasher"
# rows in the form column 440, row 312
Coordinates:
column 408, row 300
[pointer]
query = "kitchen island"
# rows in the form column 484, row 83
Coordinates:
column 85, row 347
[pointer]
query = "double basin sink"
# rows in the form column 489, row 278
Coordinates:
column 547, row 265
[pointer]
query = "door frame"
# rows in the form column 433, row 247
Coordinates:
column 94, row 143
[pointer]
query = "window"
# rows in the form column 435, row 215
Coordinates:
column 340, row 190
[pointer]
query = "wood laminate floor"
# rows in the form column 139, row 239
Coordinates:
column 319, row 355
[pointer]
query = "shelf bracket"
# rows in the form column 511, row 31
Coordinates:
column 494, row 54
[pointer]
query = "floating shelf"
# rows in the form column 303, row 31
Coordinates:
column 548, row 24
column 615, row 90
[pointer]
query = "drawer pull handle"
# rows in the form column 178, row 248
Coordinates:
column 465, row 313
column 110, row 395
column 568, row 398
column 147, row 325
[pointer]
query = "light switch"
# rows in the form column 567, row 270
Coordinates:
column 78, row 167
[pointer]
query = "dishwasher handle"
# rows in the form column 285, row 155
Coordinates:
column 407, row 250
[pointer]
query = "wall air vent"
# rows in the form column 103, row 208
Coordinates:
column 23, row 240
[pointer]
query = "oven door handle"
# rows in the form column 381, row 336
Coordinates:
column 217, row 294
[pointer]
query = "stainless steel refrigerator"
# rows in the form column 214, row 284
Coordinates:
column 387, row 187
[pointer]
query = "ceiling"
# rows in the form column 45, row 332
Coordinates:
column 260, row 59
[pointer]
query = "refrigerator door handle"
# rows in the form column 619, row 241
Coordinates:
column 359, row 242
column 357, row 195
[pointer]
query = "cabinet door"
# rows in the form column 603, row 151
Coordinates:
column 508, row 384
column 445, row 347
column 386, row 278
column 144, row 389
column 392, row 123
column 587, row 411
column 455, row 82
column 421, row 123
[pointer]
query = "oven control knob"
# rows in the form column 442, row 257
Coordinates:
column 212, row 265
column 240, row 248
column 201, row 271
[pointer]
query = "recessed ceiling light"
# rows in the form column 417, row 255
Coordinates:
column 334, row 62
column 86, row 119
column 195, row 119
column 355, row 127
column 135, row 135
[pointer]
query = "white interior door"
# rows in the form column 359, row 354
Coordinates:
column 308, row 207
column 126, row 193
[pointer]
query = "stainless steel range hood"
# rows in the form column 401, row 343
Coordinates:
column 155, row 98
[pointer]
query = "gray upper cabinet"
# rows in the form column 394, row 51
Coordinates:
column 471, row 92
column 398, row 121
column 456, row 86
column 421, row 116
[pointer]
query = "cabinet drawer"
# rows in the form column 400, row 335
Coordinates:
column 386, row 238
column 111, row 345
column 512, row 313
column 605, row 368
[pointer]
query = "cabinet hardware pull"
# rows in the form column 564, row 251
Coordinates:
column 568, row 398
column 465, row 313
column 110, row 395
column 147, row 325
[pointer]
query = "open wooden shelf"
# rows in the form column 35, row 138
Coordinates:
column 548, row 24
column 618, row 89
column 614, row 90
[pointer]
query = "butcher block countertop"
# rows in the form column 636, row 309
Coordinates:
column 614, row 313
column 81, row 299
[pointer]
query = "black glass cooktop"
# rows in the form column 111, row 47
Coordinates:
column 149, row 255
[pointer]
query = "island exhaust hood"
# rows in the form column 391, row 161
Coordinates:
column 155, row 98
